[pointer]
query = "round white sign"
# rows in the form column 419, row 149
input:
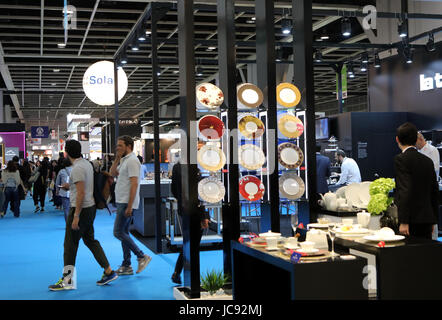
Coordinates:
column 98, row 83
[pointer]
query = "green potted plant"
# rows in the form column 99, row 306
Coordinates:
column 380, row 202
column 213, row 281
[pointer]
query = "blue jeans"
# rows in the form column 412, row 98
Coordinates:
column 121, row 232
column 66, row 206
column 11, row 195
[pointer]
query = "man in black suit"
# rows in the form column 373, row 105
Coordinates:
column 322, row 171
column 176, row 189
column 416, row 194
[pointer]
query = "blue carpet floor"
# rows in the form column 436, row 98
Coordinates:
column 31, row 258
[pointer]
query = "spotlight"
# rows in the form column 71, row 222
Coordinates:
column 61, row 45
column 279, row 56
column 346, row 27
column 286, row 26
column 199, row 72
column 141, row 36
column 158, row 71
column 363, row 67
column 408, row 55
column 430, row 44
column 123, row 59
column 377, row 61
column 402, row 29
column 135, row 46
column 318, row 56
column 350, row 69
column 364, row 58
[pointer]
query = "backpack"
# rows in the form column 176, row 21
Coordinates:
column 102, row 189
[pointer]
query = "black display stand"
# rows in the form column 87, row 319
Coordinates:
column 258, row 275
column 410, row 269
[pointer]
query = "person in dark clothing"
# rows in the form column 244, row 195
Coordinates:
column 417, row 191
column 20, row 189
column 176, row 191
column 322, row 171
column 40, row 186
column 27, row 172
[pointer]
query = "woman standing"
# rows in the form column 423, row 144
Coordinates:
column 11, row 180
column 62, row 185
column 40, row 186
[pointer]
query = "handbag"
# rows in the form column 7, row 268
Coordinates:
column 34, row 177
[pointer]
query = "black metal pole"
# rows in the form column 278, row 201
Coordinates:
column 265, row 61
column 117, row 118
column 303, row 78
column 339, row 92
column 156, row 131
column 227, row 80
column 191, row 213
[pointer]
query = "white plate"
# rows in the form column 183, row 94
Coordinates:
column 314, row 250
column 272, row 249
column 355, row 231
column 291, row 186
column 211, row 190
column 376, row 237
column 318, row 225
column 287, row 246
column 251, row 157
column 364, row 192
column 352, row 194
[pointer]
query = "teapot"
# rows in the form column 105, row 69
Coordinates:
column 364, row 218
column 330, row 201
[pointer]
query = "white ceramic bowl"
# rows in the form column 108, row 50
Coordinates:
column 347, row 222
column 307, row 245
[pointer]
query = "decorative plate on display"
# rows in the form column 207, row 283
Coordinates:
column 291, row 186
column 211, row 127
column 251, row 188
column 376, row 237
column 251, row 157
column 251, row 127
column 290, row 155
column 209, row 96
column 211, row 158
column 290, row 126
column 211, row 190
column 249, row 95
column 288, row 95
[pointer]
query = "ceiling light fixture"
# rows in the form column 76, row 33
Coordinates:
column 364, row 58
column 430, row 44
column 402, row 29
column 199, row 72
column 363, row 67
column 377, row 61
column 318, row 56
column 346, row 27
column 286, row 26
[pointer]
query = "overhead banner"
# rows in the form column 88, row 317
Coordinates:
column 344, row 83
column 40, row 132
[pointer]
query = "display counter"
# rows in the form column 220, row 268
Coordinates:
column 144, row 216
column 409, row 269
column 261, row 274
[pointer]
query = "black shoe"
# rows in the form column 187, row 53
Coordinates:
column 42, row 209
column 37, row 209
column 176, row 278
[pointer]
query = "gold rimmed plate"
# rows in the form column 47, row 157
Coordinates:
column 251, row 127
column 291, row 186
column 251, row 188
column 288, row 95
column 251, row 157
column 290, row 126
column 211, row 158
column 290, row 155
column 249, row 95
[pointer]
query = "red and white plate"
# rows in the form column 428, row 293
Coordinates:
column 209, row 96
column 251, row 188
column 211, row 127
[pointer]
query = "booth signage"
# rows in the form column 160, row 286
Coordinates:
column 11, row 152
column 39, row 132
column 430, row 83
column 98, row 83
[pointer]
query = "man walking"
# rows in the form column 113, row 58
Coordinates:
column 126, row 168
column 416, row 194
column 80, row 223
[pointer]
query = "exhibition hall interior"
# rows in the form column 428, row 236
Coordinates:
column 220, row 150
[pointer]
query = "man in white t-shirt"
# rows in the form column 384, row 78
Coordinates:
column 349, row 169
column 126, row 168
